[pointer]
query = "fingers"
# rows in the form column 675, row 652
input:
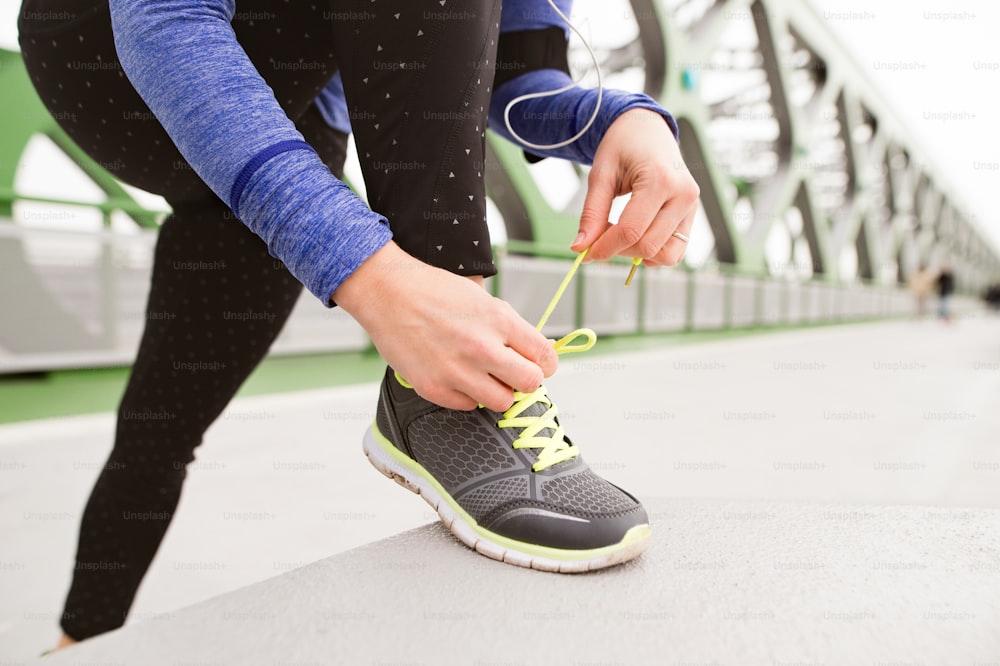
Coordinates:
column 522, row 363
column 493, row 391
column 530, row 348
column 457, row 345
column 657, row 235
column 518, row 373
column 447, row 398
column 465, row 392
column 490, row 368
column 635, row 220
column 601, row 190
column 646, row 226
column 673, row 249
column 492, row 394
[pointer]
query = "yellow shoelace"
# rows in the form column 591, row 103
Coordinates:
column 554, row 447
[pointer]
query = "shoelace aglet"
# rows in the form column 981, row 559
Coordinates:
column 631, row 273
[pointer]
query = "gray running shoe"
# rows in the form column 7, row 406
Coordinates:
column 511, row 486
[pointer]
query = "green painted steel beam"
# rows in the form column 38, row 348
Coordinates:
column 24, row 116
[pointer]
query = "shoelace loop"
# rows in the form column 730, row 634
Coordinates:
column 554, row 447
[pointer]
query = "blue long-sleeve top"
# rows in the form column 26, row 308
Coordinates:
column 542, row 121
column 227, row 124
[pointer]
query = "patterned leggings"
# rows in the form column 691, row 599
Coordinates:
column 420, row 136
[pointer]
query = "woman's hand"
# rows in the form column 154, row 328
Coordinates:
column 455, row 343
column 638, row 154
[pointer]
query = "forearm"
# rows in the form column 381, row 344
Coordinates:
column 318, row 227
column 184, row 60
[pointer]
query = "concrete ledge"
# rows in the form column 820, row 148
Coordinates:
column 724, row 583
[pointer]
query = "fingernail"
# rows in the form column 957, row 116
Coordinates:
column 579, row 239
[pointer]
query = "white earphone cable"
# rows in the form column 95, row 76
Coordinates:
column 550, row 93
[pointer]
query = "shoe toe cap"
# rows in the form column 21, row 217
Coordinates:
column 546, row 525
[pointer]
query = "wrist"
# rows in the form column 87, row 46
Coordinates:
column 647, row 114
column 364, row 286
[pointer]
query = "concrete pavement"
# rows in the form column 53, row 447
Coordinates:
column 871, row 450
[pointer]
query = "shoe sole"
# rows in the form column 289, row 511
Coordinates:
column 410, row 474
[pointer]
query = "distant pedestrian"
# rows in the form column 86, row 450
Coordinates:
column 945, row 288
column 992, row 297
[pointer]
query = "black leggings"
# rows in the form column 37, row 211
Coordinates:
column 194, row 354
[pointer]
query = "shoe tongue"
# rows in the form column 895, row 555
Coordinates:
column 539, row 409
column 536, row 409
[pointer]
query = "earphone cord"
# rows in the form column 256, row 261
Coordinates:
column 550, row 93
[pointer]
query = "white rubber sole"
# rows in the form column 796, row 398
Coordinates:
column 411, row 475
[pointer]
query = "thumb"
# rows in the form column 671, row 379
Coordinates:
column 596, row 208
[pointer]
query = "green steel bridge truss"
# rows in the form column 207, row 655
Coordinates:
column 806, row 174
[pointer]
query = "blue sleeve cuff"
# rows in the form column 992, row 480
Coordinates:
column 550, row 120
column 311, row 221
column 256, row 162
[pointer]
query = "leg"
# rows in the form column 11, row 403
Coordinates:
column 194, row 353
column 200, row 343
column 218, row 300
column 418, row 87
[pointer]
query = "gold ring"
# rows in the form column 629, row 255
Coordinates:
column 679, row 236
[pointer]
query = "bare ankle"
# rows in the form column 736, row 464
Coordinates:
column 64, row 642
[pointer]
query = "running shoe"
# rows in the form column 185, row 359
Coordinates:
column 511, row 486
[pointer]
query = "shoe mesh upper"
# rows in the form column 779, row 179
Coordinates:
column 484, row 499
column 457, row 446
column 586, row 492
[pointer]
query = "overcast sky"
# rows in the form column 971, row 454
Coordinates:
column 956, row 48
column 955, row 53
